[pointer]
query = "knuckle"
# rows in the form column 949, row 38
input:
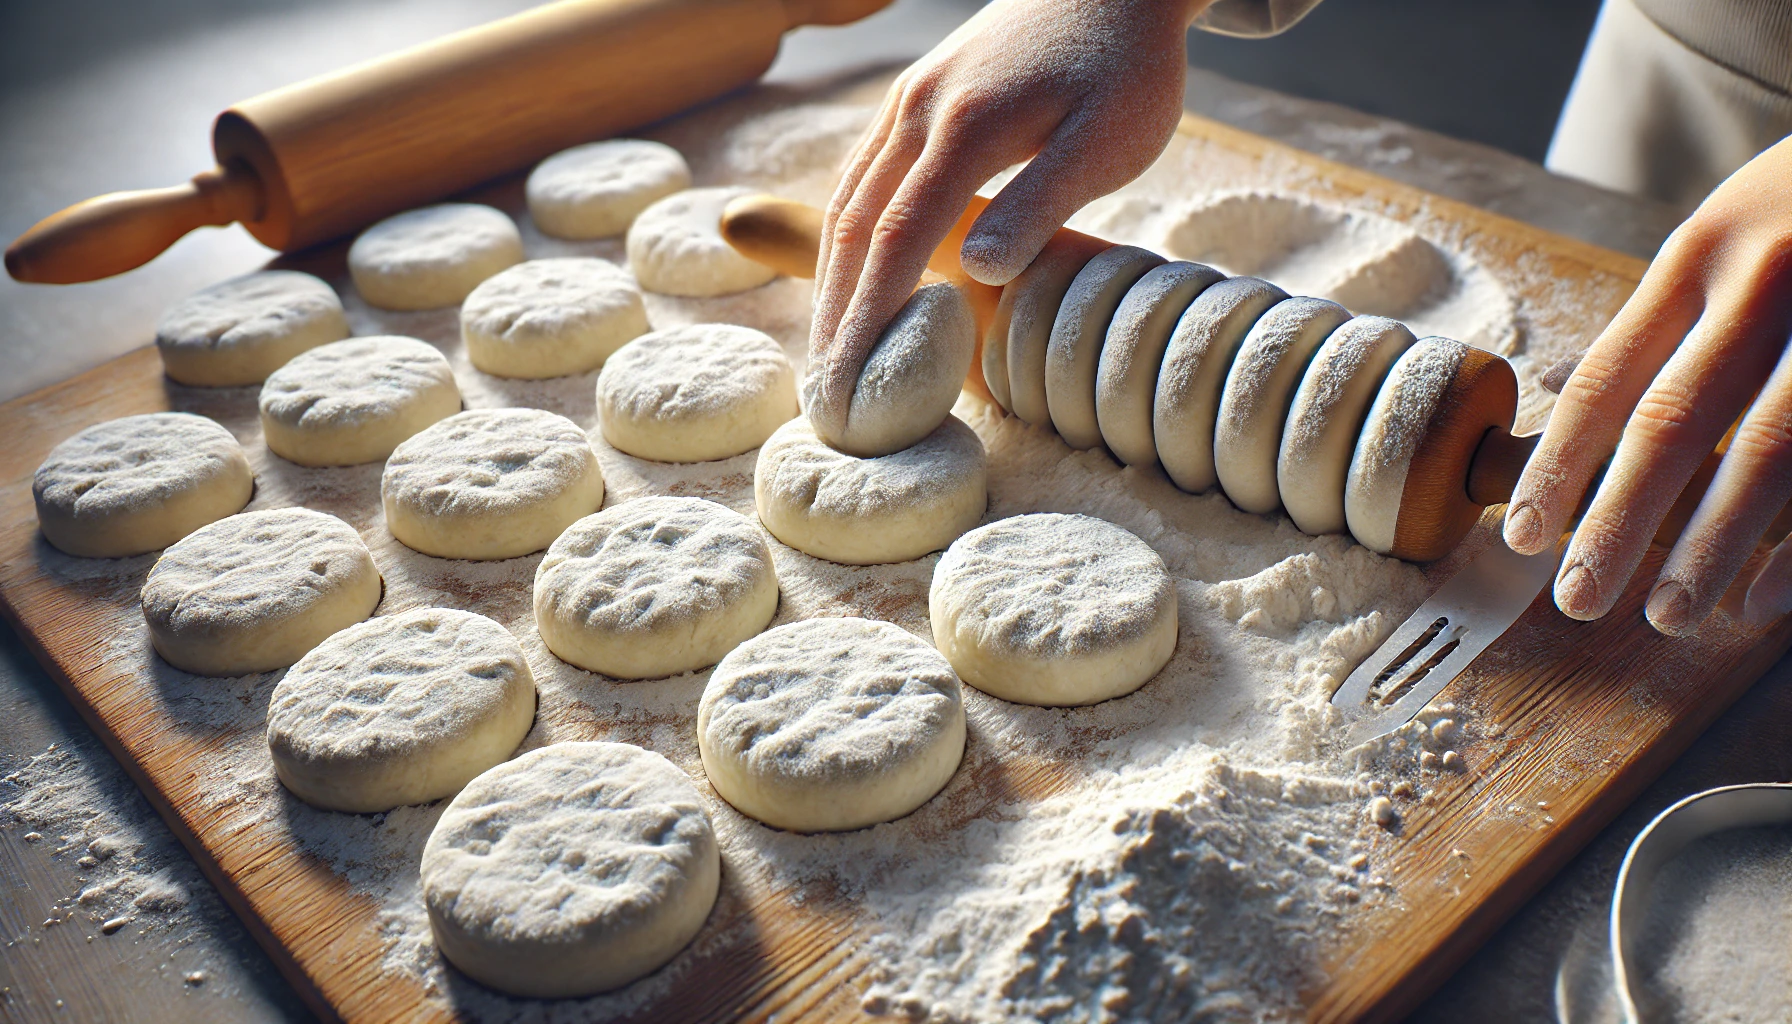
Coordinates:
column 898, row 221
column 1595, row 376
column 850, row 229
column 1664, row 416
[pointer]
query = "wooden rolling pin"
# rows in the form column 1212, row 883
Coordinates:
column 328, row 156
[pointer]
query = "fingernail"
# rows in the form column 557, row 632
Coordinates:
column 1577, row 592
column 1524, row 529
column 1670, row 606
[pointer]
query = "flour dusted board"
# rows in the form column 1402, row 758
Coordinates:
column 1574, row 717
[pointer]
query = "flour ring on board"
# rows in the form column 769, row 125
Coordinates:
column 574, row 869
column 694, row 394
column 654, row 587
column 1133, row 352
column 1028, row 308
column 1326, row 418
column 551, row 318
column 596, row 190
column 1073, row 357
column 432, row 256
column 490, row 483
column 402, row 709
column 353, row 401
column 830, row 724
column 675, row 247
column 255, row 591
column 891, row 508
column 1052, row 609
column 131, row 485
column 239, row 331
column 1254, row 400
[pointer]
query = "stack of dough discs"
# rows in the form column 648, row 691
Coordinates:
column 572, row 870
column 891, row 508
column 697, row 393
column 1126, row 372
column 402, row 709
column 675, row 247
column 1029, row 307
column 139, row 483
column 596, row 190
column 1390, row 437
column 490, row 483
column 831, row 724
column 1053, row 609
column 654, row 587
column 433, row 256
column 550, row 318
column 353, row 401
column 1074, row 353
column 254, row 592
column 240, row 331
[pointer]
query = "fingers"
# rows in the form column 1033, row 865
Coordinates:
column 857, row 163
column 1770, row 595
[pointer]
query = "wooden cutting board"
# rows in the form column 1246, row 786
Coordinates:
column 1587, row 713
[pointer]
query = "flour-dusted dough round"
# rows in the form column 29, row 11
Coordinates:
column 139, row 483
column 432, row 256
column 1056, row 610
column 675, row 247
column 1326, row 418
column 825, row 725
column 402, row 709
column 353, row 401
column 1196, row 362
column 550, row 318
column 241, row 330
column 697, row 393
column 1391, row 434
column 891, row 508
column 255, row 591
column 596, row 190
column 654, row 587
column 1028, row 307
column 1126, row 372
column 572, row 870
column 490, row 483
column 1073, row 355
column 1254, row 400
column 909, row 382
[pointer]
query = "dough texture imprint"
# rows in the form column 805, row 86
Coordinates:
column 654, row 587
column 239, row 331
column 433, row 256
column 1056, row 610
column 695, row 394
column 402, row 709
column 825, row 725
column 551, row 318
column 675, row 247
column 571, row 870
column 596, row 190
column 353, row 401
column 490, row 483
column 139, row 483
column 256, row 591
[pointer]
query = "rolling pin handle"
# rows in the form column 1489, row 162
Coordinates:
column 1498, row 463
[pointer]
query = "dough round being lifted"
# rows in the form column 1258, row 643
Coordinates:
column 1196, row 363
column 241, row 330
column 139, row 483
column 1028, row 308
column 675, row 247
column 490, row 483
column 402, row 709
column 1073, row 356
column 697, row 393
column 596, row 190
column 654, row 587
column 1132, row 354
column 855, row 511
column 353, row 401
column 432, row 256
column 825, row 725
column 572, row 870
column 256, row 591
column 550, row 318
column 1056, row 610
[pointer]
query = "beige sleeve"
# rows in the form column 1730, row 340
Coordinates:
column 1253, row 19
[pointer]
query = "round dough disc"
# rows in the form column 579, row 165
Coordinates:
column 1056, row 610
column 256, row 591
column 826, row 725
column 596, row 190
column 675, row 247
column 402, row 709
column 697, row 393
column 490, row 483
column 550, row 318
column 572, row 870
column 139, row 483
column 1391, row 434
column 432, row 256
column 353, row 401
column 1073, row 355
column 243, row 329
column 654, row 587
column 1029, row 306
column 1126, row 373
column 891, row 508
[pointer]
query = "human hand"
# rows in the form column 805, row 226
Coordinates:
column 1707, row 327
